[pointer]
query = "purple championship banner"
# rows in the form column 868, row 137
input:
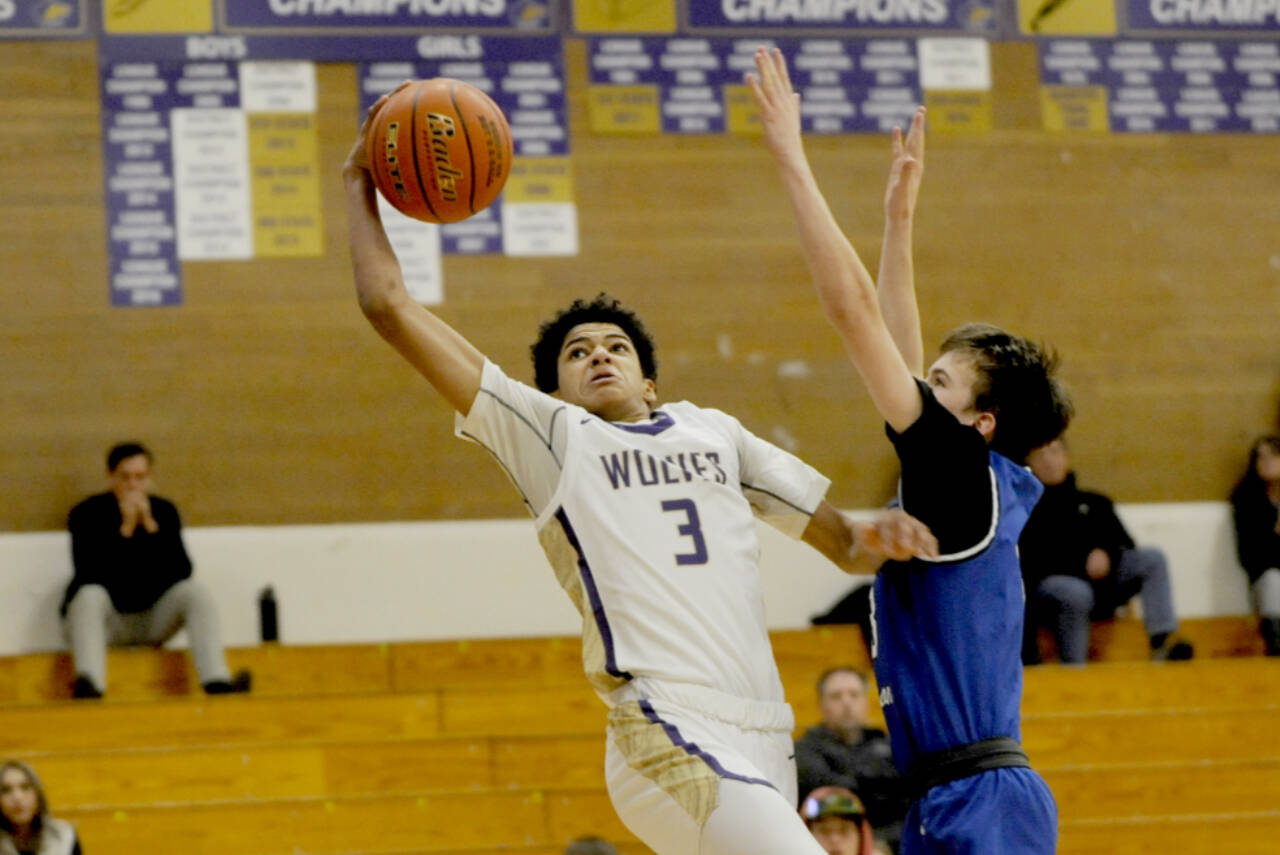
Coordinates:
column 1164, row 85
column 1251, row 19
column 137, row 159
column 848, row 85
column 837, row 18
column 524, row 76
column 145, row 78
column 43, row 19
column 293, row 17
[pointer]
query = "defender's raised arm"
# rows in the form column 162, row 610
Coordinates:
column 845, row 288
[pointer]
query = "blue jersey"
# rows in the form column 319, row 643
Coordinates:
column 947, row 634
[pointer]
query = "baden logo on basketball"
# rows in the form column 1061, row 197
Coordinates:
column 441, row 129
column 439, row 150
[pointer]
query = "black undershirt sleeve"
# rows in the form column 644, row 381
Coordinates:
column 946, row 476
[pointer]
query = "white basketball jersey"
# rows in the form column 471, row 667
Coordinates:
column 650, row 529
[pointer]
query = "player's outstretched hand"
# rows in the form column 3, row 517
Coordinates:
column 777, row 103
column 358, row 157
column 897, row 535
column 907, row 170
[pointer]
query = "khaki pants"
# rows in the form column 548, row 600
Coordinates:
column 92, row 623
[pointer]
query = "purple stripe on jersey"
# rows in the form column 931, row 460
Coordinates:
column 661, row 421
column 692, row 748
column 597, row 607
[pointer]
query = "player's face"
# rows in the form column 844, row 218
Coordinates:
column 17, row 797
column 837, row 835
column 844, row 701
column 131, row 475
column 952, row 378
column 1050, row 463
column 1268, row 462
column 599, row 370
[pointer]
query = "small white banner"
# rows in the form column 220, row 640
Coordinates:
column 417, row 245
column 539, row 228
column 962, row 64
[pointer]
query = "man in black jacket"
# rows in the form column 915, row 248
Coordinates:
column 1079, row 564
column 132, row 581
column 843, row 751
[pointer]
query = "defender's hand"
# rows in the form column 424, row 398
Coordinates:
column 907, row 170
column 778, row 104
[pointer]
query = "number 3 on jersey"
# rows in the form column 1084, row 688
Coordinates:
column 690, row 528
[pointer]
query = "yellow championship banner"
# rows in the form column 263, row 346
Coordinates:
column 124, row 17
column 959, row 112
column 740, row 113
column 539, row 179
column 1067, row 17
column 1074, row 108
column 624, row 109
column 624, row 16
column 284, row 180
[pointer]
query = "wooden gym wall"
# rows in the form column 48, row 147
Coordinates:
column 1151, row 262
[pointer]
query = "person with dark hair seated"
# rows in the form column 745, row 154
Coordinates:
column 1255, row 511
column 590, row 846
column 1080, row 564
column 132, row 583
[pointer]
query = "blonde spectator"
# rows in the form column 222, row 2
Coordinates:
column 26, row 826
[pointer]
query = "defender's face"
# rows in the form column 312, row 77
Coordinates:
column 844, row 701
column 952, row 378
column 131, row 475
column 1050, row 463
column 837, row 835
column 599, row 370
column 1268, row 463
column 17, row 798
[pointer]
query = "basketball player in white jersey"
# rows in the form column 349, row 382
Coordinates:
column 647, row 516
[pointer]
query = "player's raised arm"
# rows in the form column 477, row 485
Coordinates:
column 845, row 289
column 896, row 280
column 449, row 362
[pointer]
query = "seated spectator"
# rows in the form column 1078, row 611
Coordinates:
column 132, row 582
column 843, row 751
column 1079, row 564
column 26, row 826
column 838, row 821
column 1255, row 510
column 590, row 846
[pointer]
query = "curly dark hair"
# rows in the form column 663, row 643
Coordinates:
column 1015, row 383
column 603, row 309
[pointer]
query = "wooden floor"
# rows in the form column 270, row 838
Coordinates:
column 496, row 746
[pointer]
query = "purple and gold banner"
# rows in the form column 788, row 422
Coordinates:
column 838, row 17
column 1244, row 18
column 1161, row 85
column 292, row 17
column 43, row 19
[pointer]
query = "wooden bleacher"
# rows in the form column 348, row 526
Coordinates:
column 482, row 747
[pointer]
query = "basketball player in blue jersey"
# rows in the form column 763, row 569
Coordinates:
column 947, row 630
column 646, row 514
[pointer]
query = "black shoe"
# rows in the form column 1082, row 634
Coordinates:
column 83, row 687
column 1174, row 649
column 1270, row 628
column 239, row 684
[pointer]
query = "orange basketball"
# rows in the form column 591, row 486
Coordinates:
column 440, row 150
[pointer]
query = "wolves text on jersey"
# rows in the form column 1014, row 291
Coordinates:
column 640, row 469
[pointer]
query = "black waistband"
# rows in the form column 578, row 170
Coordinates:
column 943, row 767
